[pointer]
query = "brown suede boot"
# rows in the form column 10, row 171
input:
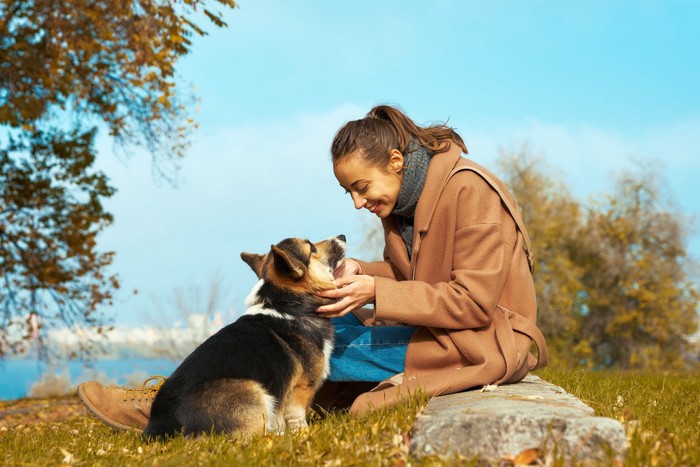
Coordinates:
column 120, row 408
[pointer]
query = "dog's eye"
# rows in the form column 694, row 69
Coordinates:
column 313, row 248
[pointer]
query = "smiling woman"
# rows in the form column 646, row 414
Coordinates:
column 455, row 281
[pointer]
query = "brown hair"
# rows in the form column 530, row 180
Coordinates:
column 385, row 128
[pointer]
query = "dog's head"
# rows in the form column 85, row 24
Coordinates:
column 298, row 265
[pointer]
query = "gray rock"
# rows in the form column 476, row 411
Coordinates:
column 498, row 425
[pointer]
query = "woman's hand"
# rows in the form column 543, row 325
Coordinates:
column 353, row 292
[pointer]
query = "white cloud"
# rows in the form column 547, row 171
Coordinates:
column 251, row 185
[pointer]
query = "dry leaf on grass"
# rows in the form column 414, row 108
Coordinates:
column 527, row 457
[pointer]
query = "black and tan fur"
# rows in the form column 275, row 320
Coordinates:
column 260, row 373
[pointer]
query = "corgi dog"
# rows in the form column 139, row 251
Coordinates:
column 260, row 373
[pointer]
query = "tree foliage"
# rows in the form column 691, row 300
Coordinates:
column 612, row 279
column 51, row 214
column 110, row 59
column 68, row 69
column 641, row 305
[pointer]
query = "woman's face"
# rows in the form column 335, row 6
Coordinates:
column 372, row 187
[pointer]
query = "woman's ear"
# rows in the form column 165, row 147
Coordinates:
column 395, row 161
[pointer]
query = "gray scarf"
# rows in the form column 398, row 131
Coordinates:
column 415, row 170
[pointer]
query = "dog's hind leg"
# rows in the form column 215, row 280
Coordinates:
column 297, row 404
column 228, row 406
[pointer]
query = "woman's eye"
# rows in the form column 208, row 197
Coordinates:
column 362, row 189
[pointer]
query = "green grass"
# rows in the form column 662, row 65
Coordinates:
column 661, row 414
column 338, row 439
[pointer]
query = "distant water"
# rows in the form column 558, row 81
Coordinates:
column 18, row 376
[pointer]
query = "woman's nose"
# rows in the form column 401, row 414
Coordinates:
column 358, row 201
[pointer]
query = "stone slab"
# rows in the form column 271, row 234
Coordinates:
column 530, row 418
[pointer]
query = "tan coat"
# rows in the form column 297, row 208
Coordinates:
column 467, row 287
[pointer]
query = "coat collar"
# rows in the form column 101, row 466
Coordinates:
column 439, row 171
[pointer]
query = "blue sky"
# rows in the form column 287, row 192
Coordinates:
column 588, row 85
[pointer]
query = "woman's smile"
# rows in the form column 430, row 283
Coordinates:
column 373, row 208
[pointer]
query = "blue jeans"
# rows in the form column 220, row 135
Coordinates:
column 367, row 353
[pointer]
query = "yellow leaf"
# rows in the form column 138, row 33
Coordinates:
column 527, row 457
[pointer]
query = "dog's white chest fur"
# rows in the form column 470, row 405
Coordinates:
column 255, row 307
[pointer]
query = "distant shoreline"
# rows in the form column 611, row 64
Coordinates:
column 19, row 375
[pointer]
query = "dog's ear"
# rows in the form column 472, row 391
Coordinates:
column 255, row 262
column 287, row 265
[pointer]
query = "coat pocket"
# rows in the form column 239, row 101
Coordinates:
column 524, row 326
column 518, row 363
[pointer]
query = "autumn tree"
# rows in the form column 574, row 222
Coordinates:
column 641, row 305
column 555, row 222
column 612, row 279
column 68, row 70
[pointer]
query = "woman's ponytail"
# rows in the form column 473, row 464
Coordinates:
column 386, row 127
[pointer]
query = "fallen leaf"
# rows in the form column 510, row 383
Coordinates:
column 527, row 457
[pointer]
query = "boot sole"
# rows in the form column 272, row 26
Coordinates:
column 97, row 414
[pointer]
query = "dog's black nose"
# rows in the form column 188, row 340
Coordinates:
column 341, row 237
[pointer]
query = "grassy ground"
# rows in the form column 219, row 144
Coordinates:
column 661, row 414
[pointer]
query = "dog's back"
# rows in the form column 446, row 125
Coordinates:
column 261, row 372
